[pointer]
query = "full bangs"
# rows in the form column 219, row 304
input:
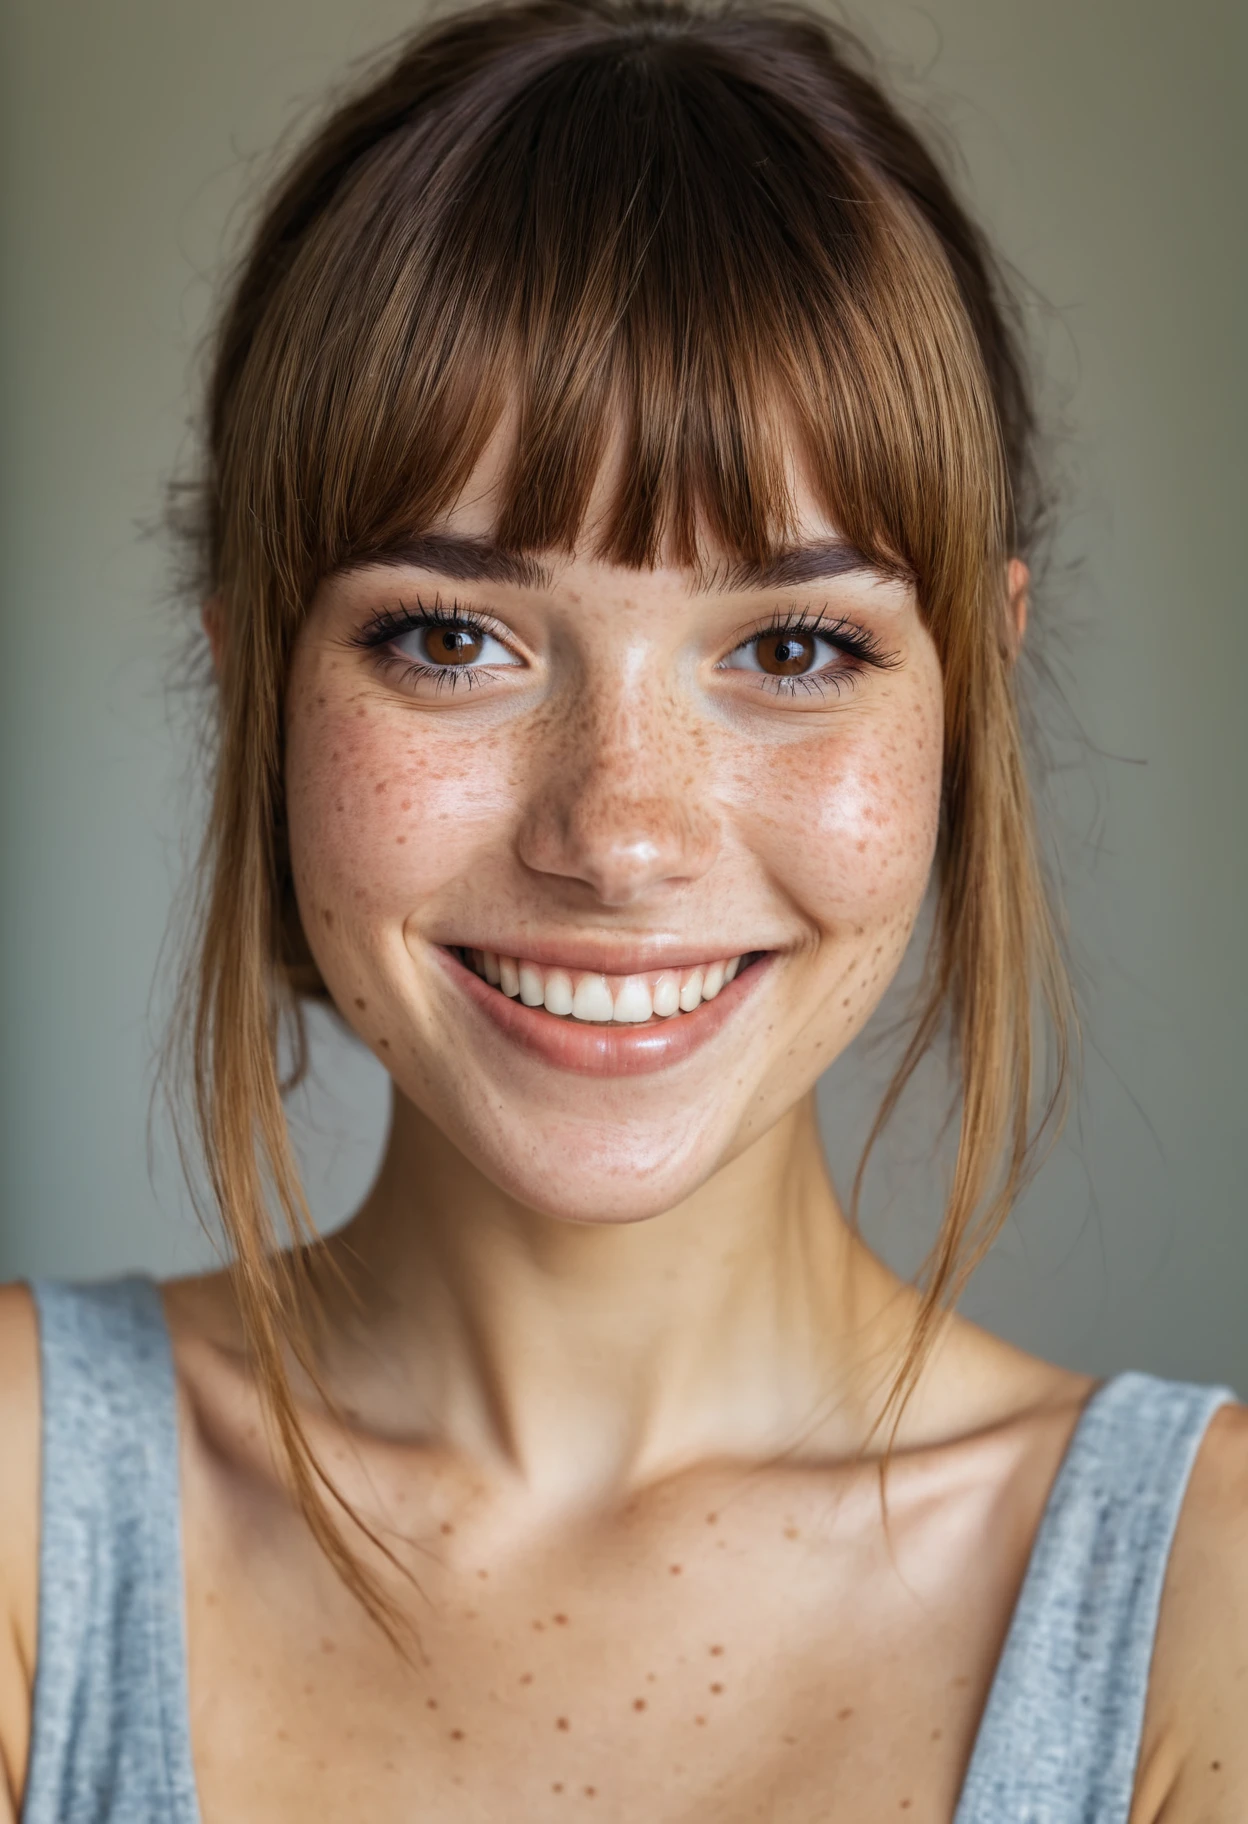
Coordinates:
column 635, row 249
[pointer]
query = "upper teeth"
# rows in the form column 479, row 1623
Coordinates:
column 624, row 999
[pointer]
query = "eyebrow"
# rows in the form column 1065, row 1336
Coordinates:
column 463, row 559
column 821, row 561
column 477, row 560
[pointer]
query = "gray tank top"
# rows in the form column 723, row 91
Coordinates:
column 1059, row 1739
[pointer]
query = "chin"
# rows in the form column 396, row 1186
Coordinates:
column 597, row 1171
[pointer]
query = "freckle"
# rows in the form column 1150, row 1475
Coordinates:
column 675, row 1569
column 340, row 806
column 961, row 1679
column 320, row 702
column 561, row 1722
column 558, row 1786
column 328, row 919
column 308, row 1690
column 716, row 1690
column 650, row 1678
column 715, row 1652
column 712, row 1519
column 483, row 1575
column 399, row 841
column 540, row 1626
column 791, row 1532
column 700, row 1720
column 790, row 1741
column 639, row 1703
column 362, row 1005
column 406, row 805
column 591, row 1792
column 905, row 1804
column 283, row 1735
column 431, row 1703
column 327, row 1645
column 457, row 1735
column 561, row 1621
column 526, row 1678
column 447, row 1527
column 843, row 1716
column 936, row 1734
column 384, row 1043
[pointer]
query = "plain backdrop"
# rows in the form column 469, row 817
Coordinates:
column 1103, row 142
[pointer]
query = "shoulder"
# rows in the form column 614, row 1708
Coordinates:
column 1194, row 1769
column 19, row 1534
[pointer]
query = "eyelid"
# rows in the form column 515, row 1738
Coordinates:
column 389, row 624
column 854, row 640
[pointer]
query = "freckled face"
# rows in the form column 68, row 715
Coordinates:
column 607, row 771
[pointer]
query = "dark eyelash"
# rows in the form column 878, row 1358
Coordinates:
column 388, row 623
column 852, row 639
column 860, row 649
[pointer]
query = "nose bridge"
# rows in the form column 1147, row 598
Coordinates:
column 625, row 805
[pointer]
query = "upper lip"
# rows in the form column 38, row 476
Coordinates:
column 599, row 957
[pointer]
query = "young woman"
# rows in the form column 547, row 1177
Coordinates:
column 615, row 521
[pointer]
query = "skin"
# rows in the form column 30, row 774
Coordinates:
column 609, row 1370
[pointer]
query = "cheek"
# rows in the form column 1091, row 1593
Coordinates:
column 855, row 814
column 382, row 810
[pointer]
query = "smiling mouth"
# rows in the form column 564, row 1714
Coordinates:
column 605, row 1000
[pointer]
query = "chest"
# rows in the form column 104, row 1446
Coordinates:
column 725, row 1650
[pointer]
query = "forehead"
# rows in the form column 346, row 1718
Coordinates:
column 462, row 544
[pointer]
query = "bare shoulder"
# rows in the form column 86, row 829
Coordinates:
column 1195, row 1763
column 19, row 1534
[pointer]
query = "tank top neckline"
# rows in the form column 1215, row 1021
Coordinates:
column 111, row 1697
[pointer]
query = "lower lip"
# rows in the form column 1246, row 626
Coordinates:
column 604, row 1051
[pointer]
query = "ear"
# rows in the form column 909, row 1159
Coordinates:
column 213, row 617
column 1018, row 593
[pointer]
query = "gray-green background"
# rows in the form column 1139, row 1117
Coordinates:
column 1103, row 141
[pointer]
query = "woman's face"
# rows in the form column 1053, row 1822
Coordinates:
column 611, row 790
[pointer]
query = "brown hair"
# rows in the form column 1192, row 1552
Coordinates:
column 706, row 224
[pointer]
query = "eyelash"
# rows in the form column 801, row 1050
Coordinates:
column 390, row 623
column 861, row 650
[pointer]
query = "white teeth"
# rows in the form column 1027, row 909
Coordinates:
column 628, row 1000
column 667, row 995
column 532, row 989
column 592, row 999
column 691, row 991
column 558, row 992
column 633, row 1003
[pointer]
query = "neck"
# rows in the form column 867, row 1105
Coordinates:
column 592, row 1355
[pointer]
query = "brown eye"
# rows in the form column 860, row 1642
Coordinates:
column 786, row 655
column 453, row 645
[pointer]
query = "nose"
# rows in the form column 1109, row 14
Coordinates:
column 622, row 804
